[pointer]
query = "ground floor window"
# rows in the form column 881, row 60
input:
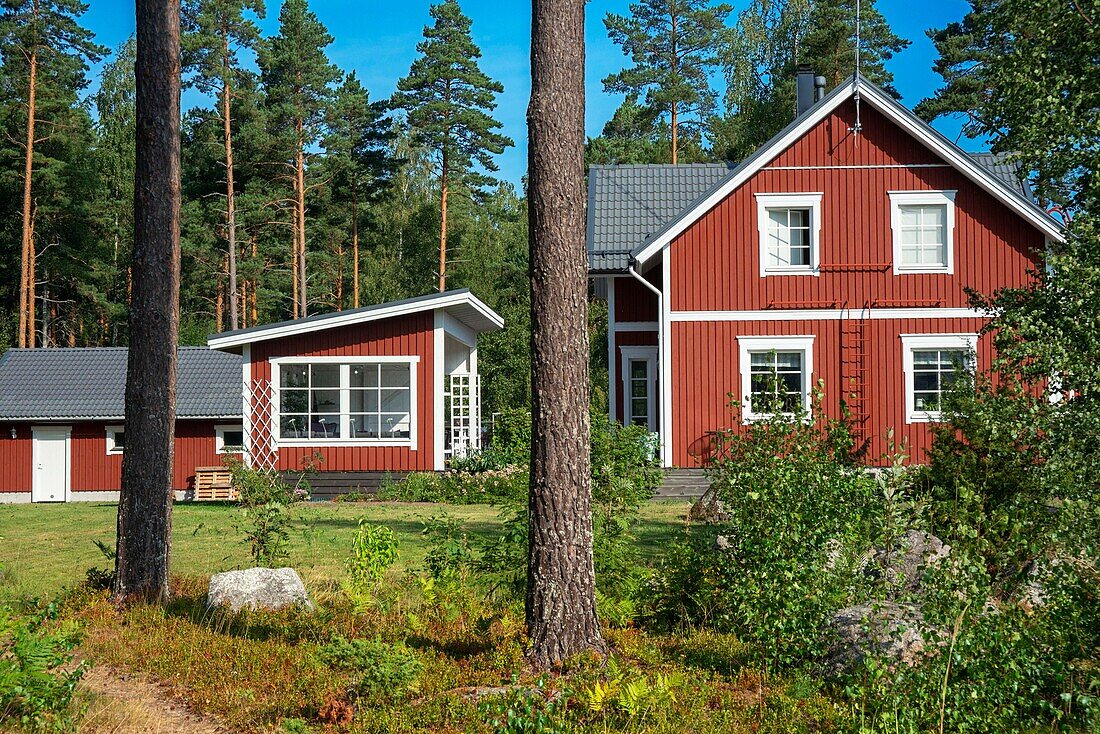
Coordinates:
column 932, row 363
column 229, row 438
column 364, row 400
column 116, row 439
column 775, row 374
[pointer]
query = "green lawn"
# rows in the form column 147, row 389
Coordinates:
column 45, row 547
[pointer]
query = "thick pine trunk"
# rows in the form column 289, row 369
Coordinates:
column 301, row 204
column 230, row 193
column 561, row 588
column 26, row 282
column 294, row 253
column 674, row 143
column 355, row 251
column 145, row 505
column 443, row 223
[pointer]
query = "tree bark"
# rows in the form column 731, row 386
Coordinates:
column 355, row 250
column 230, row 193
column 145, row 504
column 300, row 202
column 443, row 222
column 561, row 585
column 26, row 283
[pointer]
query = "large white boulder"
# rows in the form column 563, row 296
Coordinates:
column 257, row 588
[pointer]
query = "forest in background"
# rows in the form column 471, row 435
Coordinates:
column 303, row 194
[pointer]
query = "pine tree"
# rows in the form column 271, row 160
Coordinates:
column 674, row 46
column 447, row 99
column 830, row 42
column 358, row 161
column 215, row 32
column 1025, row 75
column 45, row 54
column 297, row 79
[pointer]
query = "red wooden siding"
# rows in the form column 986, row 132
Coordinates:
column 629, row 339
column 633, row 301
column 93, row 469
column 404, row 336
column 706, row 371
column 715, row 263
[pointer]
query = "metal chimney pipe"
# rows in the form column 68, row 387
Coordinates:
column 804, row 88
column 819, row 88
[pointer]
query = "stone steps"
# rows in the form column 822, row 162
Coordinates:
column 682, row 484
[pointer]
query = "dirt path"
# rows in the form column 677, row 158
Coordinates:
column 122, row 703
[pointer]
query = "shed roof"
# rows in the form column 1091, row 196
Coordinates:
column 90, row 384
column 460, row 304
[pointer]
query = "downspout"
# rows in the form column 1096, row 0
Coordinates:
column 661, row 362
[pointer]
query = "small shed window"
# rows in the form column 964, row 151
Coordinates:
column 369, row 401
column 116, row 439
column 229, row 439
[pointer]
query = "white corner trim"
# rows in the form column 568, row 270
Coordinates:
column 246, row 402
column 811, row 201
column 439, row 460
column 901, row 117
column 459, row 331
column 830, row 314
column 946, row 199
column 664, row 363
column 913, row 342
column 747, row 345
column 112, row 447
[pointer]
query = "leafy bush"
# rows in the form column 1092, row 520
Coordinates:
column 373, row 550
column 524, row 711
column 383, row 669
column 511, row 439
column 795, row 502
column 265, row 499
column 458, row 487
column 449, row 552
column 37, row 680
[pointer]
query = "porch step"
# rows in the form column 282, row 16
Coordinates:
column 682, row 484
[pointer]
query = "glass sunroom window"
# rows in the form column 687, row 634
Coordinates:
column 355, row 400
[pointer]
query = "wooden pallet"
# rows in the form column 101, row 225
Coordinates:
column 213, row 483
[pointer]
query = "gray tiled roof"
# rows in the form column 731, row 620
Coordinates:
column 999, row 165
column 626, row 204
column 90, row 383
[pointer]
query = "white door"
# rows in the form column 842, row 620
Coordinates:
column 50, row 456
column 640, row 386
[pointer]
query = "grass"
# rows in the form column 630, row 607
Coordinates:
column 46, row 547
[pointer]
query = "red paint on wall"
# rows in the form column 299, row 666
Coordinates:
column 92, row 469
column 400, row 336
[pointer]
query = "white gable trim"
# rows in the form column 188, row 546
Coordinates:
column 892, row 110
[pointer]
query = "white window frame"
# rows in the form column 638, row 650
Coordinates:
column 411, row 360
column 747, row 345
column 946, row 199
column 921, row 342
column 811, row 201
column 219, row 436
column 648, row 354
column 112, row 448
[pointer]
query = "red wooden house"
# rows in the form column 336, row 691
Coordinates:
column 839, row 251
column 354, row 395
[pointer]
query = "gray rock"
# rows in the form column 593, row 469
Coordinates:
column 905, row 562
column 896, row 632
column 257, row 588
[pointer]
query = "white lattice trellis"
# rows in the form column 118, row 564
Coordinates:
column 260, row 448
column 463, row 398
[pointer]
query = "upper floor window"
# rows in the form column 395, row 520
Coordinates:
column 358, row 401
column 932, row 364
column 923, row 224
column 775, row 373
column 790, row 233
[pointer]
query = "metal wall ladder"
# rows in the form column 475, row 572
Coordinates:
column 854, row 356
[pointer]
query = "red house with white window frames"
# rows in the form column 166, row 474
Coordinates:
column 841, row 252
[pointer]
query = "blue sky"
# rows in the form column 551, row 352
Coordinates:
column 378, row 40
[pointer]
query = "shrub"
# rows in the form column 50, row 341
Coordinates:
column 37, row 680
column 524, row 711
column 458, row 487
column 373, row 550
column 449, row 552
column 383, row 669
column 511, row 439
column 265, row 499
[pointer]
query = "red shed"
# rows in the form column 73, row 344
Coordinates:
column 841, row 252
column 61, row 421
column 360, row 394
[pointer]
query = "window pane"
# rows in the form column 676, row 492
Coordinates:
column 935, row 215
column 799, row 217
column 293, row 401
column 925, row 380
column 791, row 382
column 395, row 375
column 364, row 401
column 778, row 218
column 789, row 360
column 233, row 438
column 639, row 406
column 954, row 358
column 910, row 215
column 325, row 401
column 324, row 426
column 926, row 401
column 639, row 368
column 325, row 375
column 910, row 236
column 364, row 426
column 120, row 439
column 800, row 256
column 395, row 400
column 762, row 359
column 932, row 236
column 364, row 375
column 924, row 359
column 292, row 426
column 395, row 425
column 638, row 388
column 294, row 376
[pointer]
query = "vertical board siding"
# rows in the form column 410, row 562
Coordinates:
column 716, row 261
column 629, row 339
column 707, row 375
column 93, row 469
column 635, row 302
column 401, row 336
